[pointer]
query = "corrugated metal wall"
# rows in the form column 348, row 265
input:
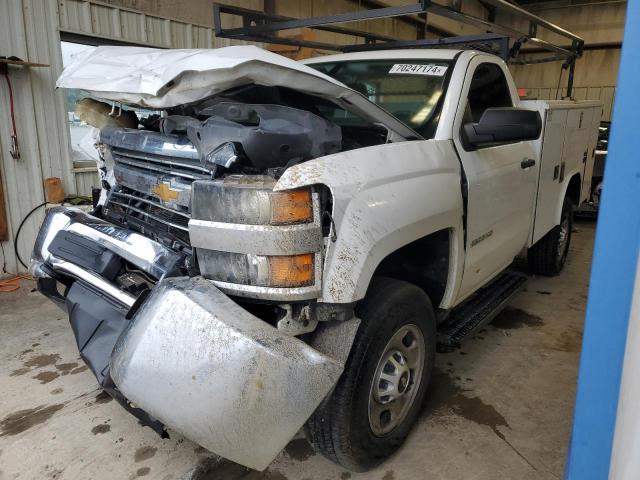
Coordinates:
column 28, row 29
column 31, row 29
column 109, row 22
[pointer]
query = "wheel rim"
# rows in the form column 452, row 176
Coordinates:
column 396, row 380
column 563, row 238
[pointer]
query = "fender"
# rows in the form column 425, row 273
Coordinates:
column 384, row 197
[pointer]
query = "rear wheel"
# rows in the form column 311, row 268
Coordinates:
column 381, row 391
column 549, row 254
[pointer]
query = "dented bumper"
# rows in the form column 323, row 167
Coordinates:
column 200, row 363
column 189, row 356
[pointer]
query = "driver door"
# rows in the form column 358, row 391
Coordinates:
column 500, row 180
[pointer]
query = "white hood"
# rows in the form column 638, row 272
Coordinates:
column 157, row 78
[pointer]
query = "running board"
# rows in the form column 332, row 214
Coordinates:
column 480, row 309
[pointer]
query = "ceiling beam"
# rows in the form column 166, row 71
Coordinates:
column 420, row 23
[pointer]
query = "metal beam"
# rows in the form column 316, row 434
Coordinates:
column 418, row 22
column 587, row 46
column 550, row 46
column 257, row 16
column 474, row 21
column 496, row 44
column 315, row 22
column 521, row 12
column 537, row 60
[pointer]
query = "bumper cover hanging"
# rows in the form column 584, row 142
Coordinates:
column 198, row 362
column 189, row 357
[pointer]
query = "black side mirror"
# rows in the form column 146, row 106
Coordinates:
column 503, row 125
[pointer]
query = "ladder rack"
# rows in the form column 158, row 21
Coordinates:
column 504, row 41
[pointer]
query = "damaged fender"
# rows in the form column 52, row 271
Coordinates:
column 201, row 364
column 372, row 219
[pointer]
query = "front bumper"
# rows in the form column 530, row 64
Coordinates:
column 187, row 355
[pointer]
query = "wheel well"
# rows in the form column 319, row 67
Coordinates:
column 423, row 262
column 573, row 190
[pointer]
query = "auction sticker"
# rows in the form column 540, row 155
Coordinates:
column 411, row 69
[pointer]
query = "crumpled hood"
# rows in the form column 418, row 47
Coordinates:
column 158, row 78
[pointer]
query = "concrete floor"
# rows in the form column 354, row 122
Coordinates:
column 501, row 407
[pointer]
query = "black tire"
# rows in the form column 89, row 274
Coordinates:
column 340, row 427
column 547, row 256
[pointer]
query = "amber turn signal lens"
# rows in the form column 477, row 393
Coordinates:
column 291, row 271
column 294, row 206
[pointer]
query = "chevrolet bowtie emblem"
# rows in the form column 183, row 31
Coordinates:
column 164, row 192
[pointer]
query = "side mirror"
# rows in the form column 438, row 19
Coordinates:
column 503, row 125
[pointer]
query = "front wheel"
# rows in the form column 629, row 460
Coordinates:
column 380, row 393
column 549, row 254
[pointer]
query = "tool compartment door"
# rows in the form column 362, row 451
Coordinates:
column 594, row 129
column 578, row 139
column 550, row 185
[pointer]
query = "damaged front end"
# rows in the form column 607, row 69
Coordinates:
column 182, row 353
column 194, row 288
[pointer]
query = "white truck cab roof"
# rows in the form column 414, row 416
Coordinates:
column 414, row 53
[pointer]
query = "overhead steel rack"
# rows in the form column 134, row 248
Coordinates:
column 506, row 42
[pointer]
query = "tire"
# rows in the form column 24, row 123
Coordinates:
column 340, row 428
column 549, row 254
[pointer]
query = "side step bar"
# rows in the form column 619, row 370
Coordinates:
column 480, row 309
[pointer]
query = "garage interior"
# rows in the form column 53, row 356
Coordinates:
column 503, row 405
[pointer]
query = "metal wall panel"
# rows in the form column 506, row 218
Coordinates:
column 102, row 20
column 27, row 30
column 86, row 177
column 85, row 181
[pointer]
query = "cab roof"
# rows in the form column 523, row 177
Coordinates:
column 391, row 54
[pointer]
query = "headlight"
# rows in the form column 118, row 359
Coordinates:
column 250, row 200
column 258, row 270
column 244, row 233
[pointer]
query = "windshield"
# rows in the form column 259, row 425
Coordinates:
column 412, row 90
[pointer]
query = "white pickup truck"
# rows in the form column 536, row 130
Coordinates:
column 284, row 244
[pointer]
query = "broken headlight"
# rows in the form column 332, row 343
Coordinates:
column 258, row 270
column 250, row 200
column 246, row 233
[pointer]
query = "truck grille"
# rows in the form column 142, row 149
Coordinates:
column 189, row 169
column 134, row 202
column 147, row 215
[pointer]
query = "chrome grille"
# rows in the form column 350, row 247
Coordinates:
column 153, row 174
column 148, row 216
column 151, row 208
column 185, row 168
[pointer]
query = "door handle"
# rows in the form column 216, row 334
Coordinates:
column 527, row 162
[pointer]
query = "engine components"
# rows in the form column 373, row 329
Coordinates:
column 267, row 136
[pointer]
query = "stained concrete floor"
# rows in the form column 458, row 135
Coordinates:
column 500, row 407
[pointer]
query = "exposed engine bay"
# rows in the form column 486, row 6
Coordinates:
column 228, row 151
